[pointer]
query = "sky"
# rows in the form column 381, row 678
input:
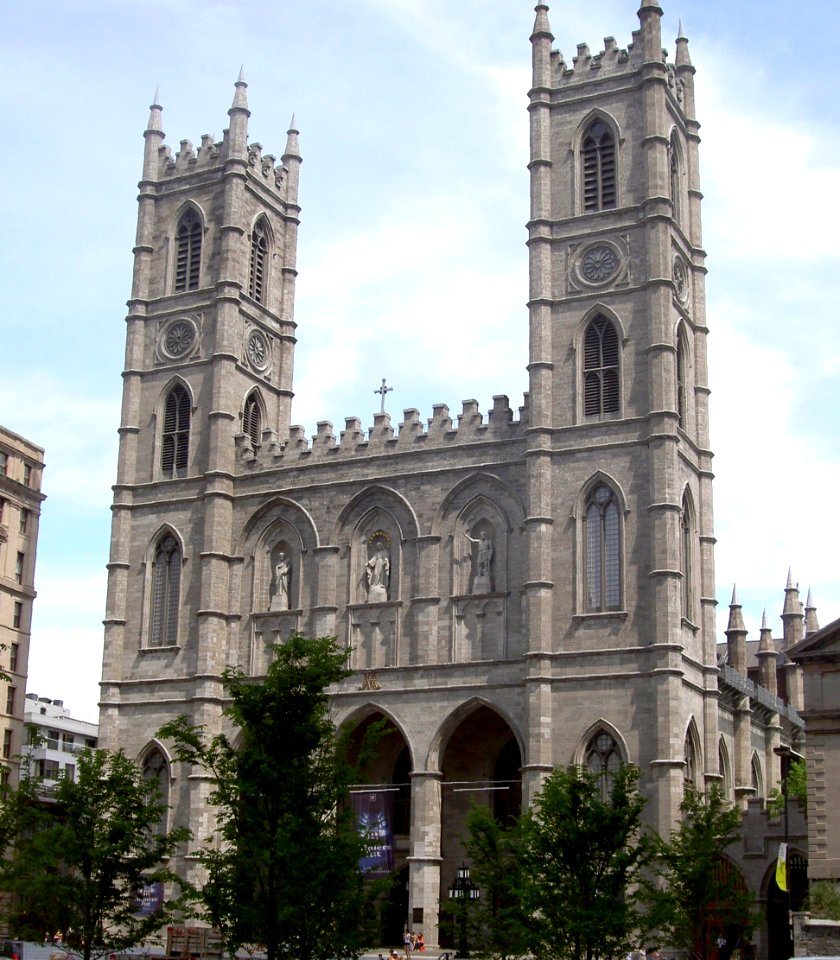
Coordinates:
column 412, row 259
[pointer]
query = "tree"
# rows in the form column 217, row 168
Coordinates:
column 796, row 786
column 79, row 861
column 823, row 900
column 703, row 896
column 498, row 925
column 569, row 873
column 283, row 868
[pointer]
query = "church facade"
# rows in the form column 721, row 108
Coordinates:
column 518, row 590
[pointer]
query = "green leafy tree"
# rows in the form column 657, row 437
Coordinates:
column 703, row 896
column 823, row 900
column 78, row 861
column 283, row 869
column 497, row 923
column 797, row 789
column 577, row 866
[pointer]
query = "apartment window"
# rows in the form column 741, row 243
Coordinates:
column 602, row 547
column 176, row 433
column 7, row 744
column 52, row 739
column 19, row 562
column 24, row 520
column 17, row 614
column 14, row 654
column 259, row 259
column 70, row 772
column 68, row 743
column 600, row 368
column 10, row 700
column 188, row 252
column 48, row 769
column 4, row 464
column 27, row 475
column 598, row 163
column 2, row 508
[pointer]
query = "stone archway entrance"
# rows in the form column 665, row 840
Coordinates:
column 481, row 764
column 779, row 905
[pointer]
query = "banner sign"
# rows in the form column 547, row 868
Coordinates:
column 781, row 868
column 149, row 899
column 374, row 811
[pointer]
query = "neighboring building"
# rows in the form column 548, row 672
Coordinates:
column 519, row 591
column 21, row 467
column 819, row 657
column 59, row 739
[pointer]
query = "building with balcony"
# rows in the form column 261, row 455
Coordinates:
column 21, row 468
column 57, row 739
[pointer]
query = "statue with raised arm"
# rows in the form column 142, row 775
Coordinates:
column 483, row 561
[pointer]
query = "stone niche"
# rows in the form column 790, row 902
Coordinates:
column 479, row 628
column 268, row 629
column 374, row 635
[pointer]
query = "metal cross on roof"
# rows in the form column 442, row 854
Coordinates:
column 382, row 391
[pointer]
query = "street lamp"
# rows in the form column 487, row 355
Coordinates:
column 463, row 890
column 787, row 753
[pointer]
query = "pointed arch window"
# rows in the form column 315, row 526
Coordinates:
column 603, row 760
column 600, row 368
column 188, row 252
column 687, row 556
column 166, row 593
column 598, row 161
column 259, row 262
column 681, row 379
column 175, row 437
column 156, row 771
column 602, row 547
column 756, row 779
column 690, row 753
column 674, row 152
column 252, row 419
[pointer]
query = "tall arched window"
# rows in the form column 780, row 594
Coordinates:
column 681, row 378
column 690, row 753
column 175, row 436
column 756, row 779
column 603, row 760
column 600, row 368
column 188, row 252
column 598, row 162
column 156, row 769
column 676, row 193
column 166, row 593
column 259, row 262
column 687, row 556
column 602, row 546
column 252, row 419
column 725, row 770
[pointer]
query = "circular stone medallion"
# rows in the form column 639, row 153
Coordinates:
column 257, row 350
column 599, row 263
column 178, row 339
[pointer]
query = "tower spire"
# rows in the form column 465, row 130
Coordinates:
column 736, row 635
column 239, row 114
column 767, row 657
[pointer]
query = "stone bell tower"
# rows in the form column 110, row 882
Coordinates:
column 208, row 377
column 618, row 396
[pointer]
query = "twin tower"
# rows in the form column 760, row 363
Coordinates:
column 517, row 590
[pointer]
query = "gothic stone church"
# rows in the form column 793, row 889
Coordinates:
column 518, row 590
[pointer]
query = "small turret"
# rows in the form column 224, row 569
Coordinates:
column 154, row 140
column 736, row 636
column 292, row 160
column 811, row 622
column 767, row 657
column 650, row 18
column 792, row 614
column 685, row 72
column 541, row 41
column 239, row 113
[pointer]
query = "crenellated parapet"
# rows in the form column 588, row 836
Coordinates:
column 470, row 426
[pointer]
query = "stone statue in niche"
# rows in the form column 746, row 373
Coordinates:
column 482, row 581
column 378, row 573
column 280, row 584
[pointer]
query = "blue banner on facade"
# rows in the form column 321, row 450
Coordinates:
column 374, row 810
column 149, row 899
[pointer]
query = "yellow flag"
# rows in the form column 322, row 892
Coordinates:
column 781, row 868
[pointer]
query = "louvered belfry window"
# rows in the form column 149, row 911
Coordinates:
column 598, row 156
column 602, row 543
column 600, row 368
column 259, row 261
column 188, row 255
column 251, row 419
column 175, row 438
column 681, row 380
column 166, row 591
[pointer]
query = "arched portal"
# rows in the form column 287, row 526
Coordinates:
column 780, row 903
column 481, row 764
